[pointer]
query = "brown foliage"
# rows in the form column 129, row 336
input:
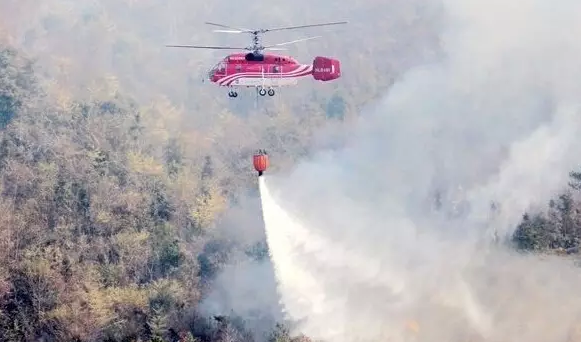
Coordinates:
column 106, row 203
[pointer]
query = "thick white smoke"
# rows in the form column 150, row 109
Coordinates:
column 397, row 225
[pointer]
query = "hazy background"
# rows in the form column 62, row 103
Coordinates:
column 95, row 50
column 495, row 120
column 490, row 115
column 89, row 39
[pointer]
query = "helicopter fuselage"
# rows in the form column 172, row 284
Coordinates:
column 270, row 70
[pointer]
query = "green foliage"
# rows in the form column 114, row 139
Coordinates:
column 280, row 334
column 214, row 254
column 258, row 251
column 10, row 92
column 533, row 233
column 557, row 229
column 8, row 107
column 575, row 182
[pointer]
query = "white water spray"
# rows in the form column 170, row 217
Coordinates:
column 496, row 120
column 317, row 278
column 340, row 294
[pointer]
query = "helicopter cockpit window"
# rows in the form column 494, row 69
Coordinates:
column 219, row 69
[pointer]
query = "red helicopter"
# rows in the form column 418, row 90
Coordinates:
column 266, row 71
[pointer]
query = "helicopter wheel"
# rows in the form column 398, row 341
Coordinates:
column 271, row 92
column 232, row 93
column 262, row 92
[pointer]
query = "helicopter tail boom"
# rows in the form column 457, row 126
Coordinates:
column 326, row 69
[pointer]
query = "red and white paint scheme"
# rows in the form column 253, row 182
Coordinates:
column 272, row 71
column 265, row 72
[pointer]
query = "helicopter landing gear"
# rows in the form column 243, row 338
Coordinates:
column 232, row 93
column 263, row 92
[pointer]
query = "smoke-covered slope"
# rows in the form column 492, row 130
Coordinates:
column 453, row 156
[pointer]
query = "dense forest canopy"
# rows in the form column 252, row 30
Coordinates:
column 119, row 168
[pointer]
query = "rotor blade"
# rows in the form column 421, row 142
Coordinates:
column 274, row 49
column 207, row 47
column 229, row 31
column 293, row 41
column 303, row 26
column 229, row 27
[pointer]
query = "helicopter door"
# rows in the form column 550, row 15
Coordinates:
column 275, row 69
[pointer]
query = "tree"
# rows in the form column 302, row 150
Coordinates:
column 533, row 233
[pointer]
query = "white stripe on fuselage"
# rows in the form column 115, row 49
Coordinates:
column 258, row 78
column 264, row 82
column 226, row 79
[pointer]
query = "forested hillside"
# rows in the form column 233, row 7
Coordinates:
column 105, row 234
column 117, row 165
column 558, row 229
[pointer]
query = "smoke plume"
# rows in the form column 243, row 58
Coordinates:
column 392, row 234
